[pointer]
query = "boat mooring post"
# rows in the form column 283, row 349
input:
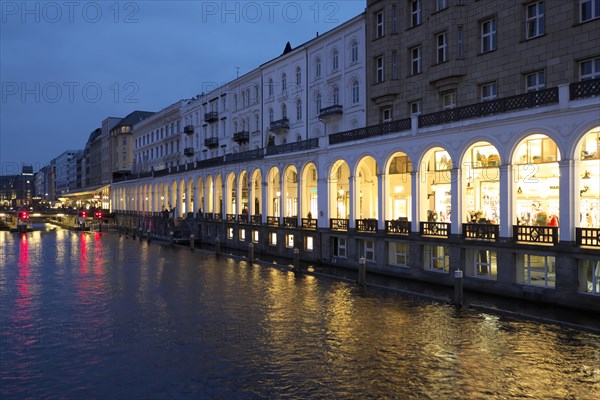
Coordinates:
column 362, row 272
column 458, row 288
column 297, row 261
column 251, row 252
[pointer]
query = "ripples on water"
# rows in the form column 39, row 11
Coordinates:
column 88, row 315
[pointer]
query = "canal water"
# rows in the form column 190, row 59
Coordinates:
column 90, row 315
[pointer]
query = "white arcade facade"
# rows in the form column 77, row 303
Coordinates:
column 511, row 197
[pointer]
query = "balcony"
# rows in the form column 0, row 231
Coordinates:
column 280, row 126
column 584, row 89
column 243, row 219
column 436, row 229
column 589, row 237
column 293, row 147
column 338, row 224
column 212, row 116
column 211, row 142
column 272, row 221
column 290, row 222
column 398, row 227
column 536, row 234
column 230, row 218
column 497, row 106
column 366, row 225
column 487, row 232
column 256, row 219
column 335, row 110
column 371, row 131
column 241, row 137
column 309, row 223
column 188, row 129
column 188, row 151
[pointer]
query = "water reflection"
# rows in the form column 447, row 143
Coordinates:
column 98, row 315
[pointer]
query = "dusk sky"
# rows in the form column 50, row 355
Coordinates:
column 65, row 66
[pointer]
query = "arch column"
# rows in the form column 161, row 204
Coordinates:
column 506, row 201
column 381, row 200
column 264, row 205
column 282, row 204
column 415, row 205
column 455, row 202
column 197, row 198
column 299, row 198
column 352, row 193
column 567, row 215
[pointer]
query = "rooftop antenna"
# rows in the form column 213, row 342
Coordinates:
column 237, row 72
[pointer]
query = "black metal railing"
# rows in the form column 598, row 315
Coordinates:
column 583, row 89
column 281, row 125
column 437, row 229
column 535, row 234
column 272, row 221
column 256, row 219
column 241, row 137
column 366, row 225
column 370, row 131
column 587, row 237
column 293, row 147
column 497, row 106
column 211, row 116
column 188, row 129
column 309, row 223
column 481, row 231
column 217, row 217
column 338, row 224
column 290, row 222
column 335, row 109
column 242, row 218
column 209, row 216
column 249, row 155
column 398, row 227
column 230, row 217
column 211, row 142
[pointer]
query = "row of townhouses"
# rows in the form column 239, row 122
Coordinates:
column 423, row 137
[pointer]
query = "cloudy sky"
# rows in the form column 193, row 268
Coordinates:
column 67, row 65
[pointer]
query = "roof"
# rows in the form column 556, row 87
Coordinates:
column 133, row 118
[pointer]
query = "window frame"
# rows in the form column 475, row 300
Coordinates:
column 355, row 92
column 379, row 69
column 537, row 86
column 441, row 48
column 594, row 11
column 417, row 60
column 488, row 37
column 595, row 69
column 379, row 24
column 492, row 95
column 416, row 16
column 441, row 5
column 536, row 21
column 453, row 96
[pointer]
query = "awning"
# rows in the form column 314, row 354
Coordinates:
column 85, row 192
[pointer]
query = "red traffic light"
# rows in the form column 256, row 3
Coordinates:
column 23, row 215
column 82, row 214
column 98, row 215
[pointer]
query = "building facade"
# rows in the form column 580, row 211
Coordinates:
column 489, row 166
column 428, row 56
